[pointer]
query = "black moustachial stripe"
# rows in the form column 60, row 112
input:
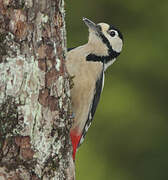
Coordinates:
column 111, row 53
column 103, row 59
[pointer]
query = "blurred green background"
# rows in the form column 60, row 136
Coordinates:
column 128, row 139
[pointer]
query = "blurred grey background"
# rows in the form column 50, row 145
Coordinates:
column 128, row 139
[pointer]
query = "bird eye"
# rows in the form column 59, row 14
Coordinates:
column 112, row 33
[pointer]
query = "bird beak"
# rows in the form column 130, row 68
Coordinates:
column 91, row 25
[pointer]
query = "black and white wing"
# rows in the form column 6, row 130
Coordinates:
column 93, row 107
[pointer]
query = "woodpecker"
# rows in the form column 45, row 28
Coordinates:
column 87, row 64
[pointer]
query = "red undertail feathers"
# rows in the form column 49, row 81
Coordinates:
column 75, row 138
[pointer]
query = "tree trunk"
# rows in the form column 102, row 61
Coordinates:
column 35, row 106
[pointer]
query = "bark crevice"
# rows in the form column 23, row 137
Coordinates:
column 35, row 108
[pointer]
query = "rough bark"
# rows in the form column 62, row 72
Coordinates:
column 34, row 92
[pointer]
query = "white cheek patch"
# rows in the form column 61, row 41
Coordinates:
column 117, row 44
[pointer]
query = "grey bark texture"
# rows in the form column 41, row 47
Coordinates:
column 35, row 110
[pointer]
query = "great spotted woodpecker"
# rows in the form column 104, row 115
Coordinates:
column 87, row 64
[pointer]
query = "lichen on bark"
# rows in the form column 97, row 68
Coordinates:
column 8, row 117
column 34, row 91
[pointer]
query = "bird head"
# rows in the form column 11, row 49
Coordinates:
column 107, row 40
